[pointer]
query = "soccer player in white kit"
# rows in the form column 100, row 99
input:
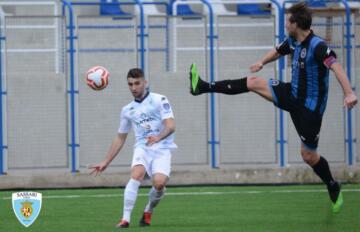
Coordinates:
column 152, row 119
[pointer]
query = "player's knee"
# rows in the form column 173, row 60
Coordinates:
column 159, row 185
column 159, row 182
column 309, row 157
column 137, row 176
column 253, row 83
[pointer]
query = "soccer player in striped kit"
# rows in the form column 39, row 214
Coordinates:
column 152, row 119
column 305, row 97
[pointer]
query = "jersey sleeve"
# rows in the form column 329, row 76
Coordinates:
column 165, row 109
column 125, row 123
column 284, row 48
column 324, row 55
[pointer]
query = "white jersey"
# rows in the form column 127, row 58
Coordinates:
column 146, row 118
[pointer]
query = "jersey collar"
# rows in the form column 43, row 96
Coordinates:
column 141, row 100
column 308, row 38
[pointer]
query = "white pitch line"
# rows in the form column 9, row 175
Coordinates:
column 192, row 193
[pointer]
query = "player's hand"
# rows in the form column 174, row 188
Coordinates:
column 152, row 140
column 350, row 100
column 256, row 67
column 97, row 169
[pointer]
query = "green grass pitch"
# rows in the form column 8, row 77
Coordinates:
column 233, row 208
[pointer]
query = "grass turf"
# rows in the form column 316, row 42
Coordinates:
column 236, row 208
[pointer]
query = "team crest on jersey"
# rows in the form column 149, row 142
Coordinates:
column 274, row 82
column 166, row 106
column 26, row 206
column 303, row 53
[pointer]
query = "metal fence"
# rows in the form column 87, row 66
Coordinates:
column 52, row 120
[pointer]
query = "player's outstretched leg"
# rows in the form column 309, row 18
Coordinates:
column 199, row 86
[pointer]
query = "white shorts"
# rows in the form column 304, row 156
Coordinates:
column 154, row 161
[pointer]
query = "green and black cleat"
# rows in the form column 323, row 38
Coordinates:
column 337, row 205
column 195, row 80
column 336, row 197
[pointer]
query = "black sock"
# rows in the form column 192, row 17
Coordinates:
column 322, row 169
column 230, row 87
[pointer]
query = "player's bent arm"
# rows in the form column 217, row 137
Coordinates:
column 272, row 55
column 350, row 98
column 169, row 128
column 341, row 77
column 116, row 145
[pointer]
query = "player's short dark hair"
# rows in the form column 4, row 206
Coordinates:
column 135, row 73
column 301, row 15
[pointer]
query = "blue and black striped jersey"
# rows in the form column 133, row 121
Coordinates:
column 311, row 60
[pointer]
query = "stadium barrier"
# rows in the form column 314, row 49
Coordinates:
column 164, row 43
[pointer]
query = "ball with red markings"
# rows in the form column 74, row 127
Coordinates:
column 97, row 77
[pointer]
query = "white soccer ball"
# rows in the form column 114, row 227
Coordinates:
column 97, row 77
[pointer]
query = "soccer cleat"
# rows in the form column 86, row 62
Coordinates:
column 145, row 220
column 335, row 196
column 195, row 81
column 336, row 207
column 122, row 224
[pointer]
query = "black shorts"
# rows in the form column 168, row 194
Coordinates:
column 306, row 122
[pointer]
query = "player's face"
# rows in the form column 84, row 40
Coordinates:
column 290, row 27
column 137, row 86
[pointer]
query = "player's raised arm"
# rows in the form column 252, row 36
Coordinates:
column 269, row 57
column 116, row 145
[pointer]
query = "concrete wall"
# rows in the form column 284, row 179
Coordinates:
column 37, row 108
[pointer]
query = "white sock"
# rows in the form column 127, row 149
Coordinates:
column 154, row 199
column 130, row 195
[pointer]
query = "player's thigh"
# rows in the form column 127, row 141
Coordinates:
column 140, row 164
column 281, row 93
column 260, row 86
column 307, row 125
column 161, row 163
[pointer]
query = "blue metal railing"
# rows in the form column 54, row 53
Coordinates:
column 2, row 147
column 348, row 72
column 141, row 25
column 281, row 66
column 142, row 35
column 68, row 5
column 73, row 145
column 213, row 141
